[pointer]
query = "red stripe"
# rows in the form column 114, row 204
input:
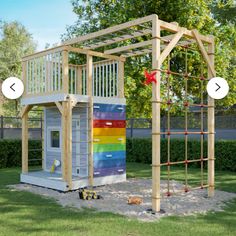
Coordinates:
column 109, row 123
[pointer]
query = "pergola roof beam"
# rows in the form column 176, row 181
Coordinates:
column 109, row 30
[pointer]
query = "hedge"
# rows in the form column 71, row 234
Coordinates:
column 10, row 152
column 138, row 150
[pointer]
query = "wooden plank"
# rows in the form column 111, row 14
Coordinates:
column 129, row 47
column 109, row 30
column 156, row 142
column 119, row 39
column 44, row 52
column 65, row 72
column 204, row 53
column 174, row 28
column 90, row 117
column 94, row 53
column 137, row 53
column 211, row 128
column 59, row 106
column 171, row 45
column 121, row 79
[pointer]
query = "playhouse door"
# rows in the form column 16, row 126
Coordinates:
column 81, row 149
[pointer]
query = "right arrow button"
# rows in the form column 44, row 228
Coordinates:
column 217, row 88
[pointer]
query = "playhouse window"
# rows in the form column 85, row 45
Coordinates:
column 55, row 139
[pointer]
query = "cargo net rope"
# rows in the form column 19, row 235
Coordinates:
column 186, row 104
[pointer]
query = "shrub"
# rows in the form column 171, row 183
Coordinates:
column 10, row 152
column 140, row 150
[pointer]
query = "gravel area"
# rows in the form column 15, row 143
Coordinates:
column 115, row 199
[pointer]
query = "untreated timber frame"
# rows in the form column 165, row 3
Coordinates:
column 159, row 47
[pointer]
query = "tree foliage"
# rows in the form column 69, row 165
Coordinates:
column 15, row 42
column 208, row 16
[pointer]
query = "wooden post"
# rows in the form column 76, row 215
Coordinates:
column 156, row 152
column 25, row 142
column 211, row 128
column 65, row 72
column 69, row 143
column 121, row 79
column 90, row 115
column 64, row 141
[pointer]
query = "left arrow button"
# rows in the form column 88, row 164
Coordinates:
column 12, row 88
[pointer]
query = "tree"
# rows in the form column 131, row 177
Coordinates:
column 15, row 42
column 94, row 15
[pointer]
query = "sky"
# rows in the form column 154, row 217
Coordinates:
column 46, row 20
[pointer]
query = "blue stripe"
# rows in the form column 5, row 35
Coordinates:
column 109, row 155
column 108, row 107
column 109, row 163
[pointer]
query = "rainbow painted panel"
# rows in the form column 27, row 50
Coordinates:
column 109, row 139
column 109, row 124
column 109, row 132
column 98, row 115
column 109, row 163
column 99, row 172
column 108, row 147
column 108, row 108
column 100, row 156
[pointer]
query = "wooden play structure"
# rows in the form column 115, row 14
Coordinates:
column 84, row 104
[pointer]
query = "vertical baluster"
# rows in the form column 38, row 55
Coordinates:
column 103, row 87
column 106, row 79
column 110, row 79
column 59, row 70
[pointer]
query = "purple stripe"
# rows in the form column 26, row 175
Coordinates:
column 98, row 172
column 108, row 115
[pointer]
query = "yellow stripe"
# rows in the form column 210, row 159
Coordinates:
column 109, row 131
column 109, row 139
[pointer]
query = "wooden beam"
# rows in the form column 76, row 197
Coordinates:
column 171, row 45
column 121, row 80
column 174, row 28
column 79, row 81
column 94, row 53
column 44, row 52
column 204, row 53
column 109, row 30
column 90, row 117
column 211, row 128
column 25, row 109
column 65, row 72
column 59, row 106
column 129, row 47
column 156, row 141
column 119, row 39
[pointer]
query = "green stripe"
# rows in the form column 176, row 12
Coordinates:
column 108, row 147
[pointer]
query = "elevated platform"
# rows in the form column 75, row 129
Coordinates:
column 60, row 97
column 55, row 181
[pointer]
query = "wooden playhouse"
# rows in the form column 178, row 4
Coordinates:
column 84, row 104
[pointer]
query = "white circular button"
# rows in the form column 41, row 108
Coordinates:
column 217, row 88
column 12, row 88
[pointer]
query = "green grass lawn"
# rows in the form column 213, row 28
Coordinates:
column 23, row 213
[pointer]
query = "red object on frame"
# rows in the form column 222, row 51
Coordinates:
column 150, row 77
